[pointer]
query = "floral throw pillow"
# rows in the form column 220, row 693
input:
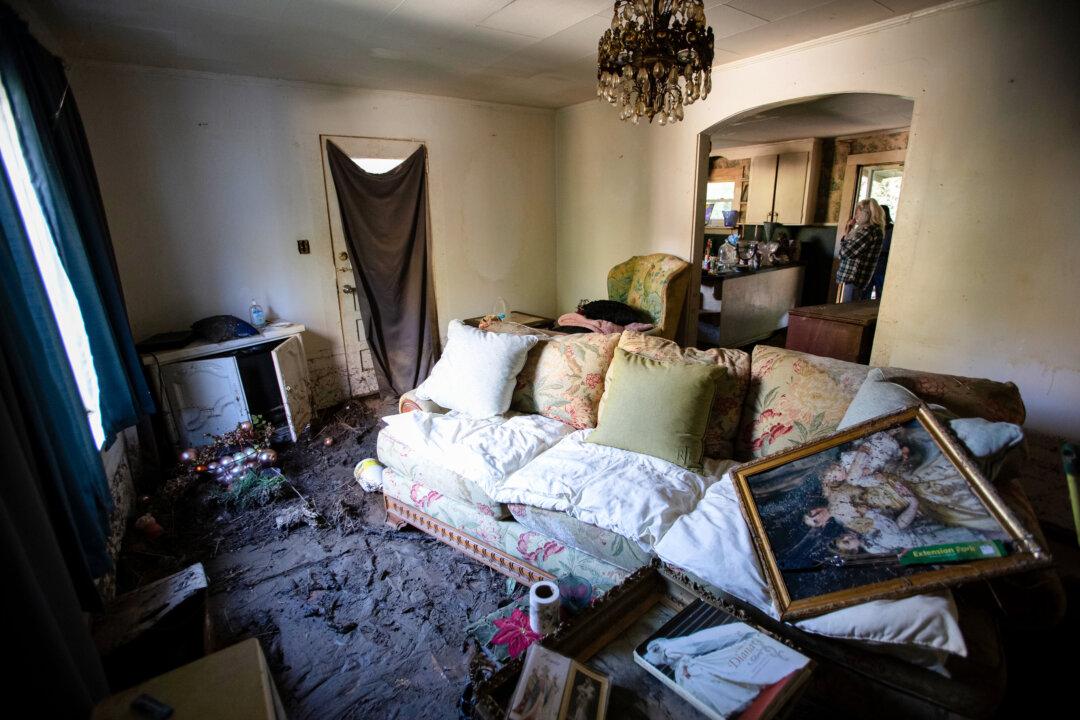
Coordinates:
column 794, row 398
column 563, row 378
column 730, row 390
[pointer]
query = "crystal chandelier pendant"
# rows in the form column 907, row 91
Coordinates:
column 656, row 59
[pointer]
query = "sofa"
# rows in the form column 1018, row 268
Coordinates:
column 520, row 494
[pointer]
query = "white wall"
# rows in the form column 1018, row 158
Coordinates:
column 982, row 276
column 209, row 181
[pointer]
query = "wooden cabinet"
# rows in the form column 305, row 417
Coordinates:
column 759, row 205
column 843, row 331
column 783, row 188
column 738, row 308
column 208, row 388
column 789, row 199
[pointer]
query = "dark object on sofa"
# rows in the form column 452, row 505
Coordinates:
column 613, row 311
column 220, row 328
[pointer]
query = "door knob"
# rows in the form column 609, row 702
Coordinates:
column 347, row 289
column 343, row 256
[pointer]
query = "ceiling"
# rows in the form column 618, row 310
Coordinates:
column 824, row 116
column 531, row 52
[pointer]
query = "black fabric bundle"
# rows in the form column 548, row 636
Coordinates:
column 613, row 311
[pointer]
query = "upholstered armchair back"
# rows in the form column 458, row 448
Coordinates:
column 655, row 284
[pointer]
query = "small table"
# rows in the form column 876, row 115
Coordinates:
column 843, row 331
column 232, row 683
column 521, row 318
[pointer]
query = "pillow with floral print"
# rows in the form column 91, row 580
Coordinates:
column 563, row 378
column 794, row 398
column 730, row 390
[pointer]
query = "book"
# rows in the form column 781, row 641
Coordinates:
column 554, row 687
column 722, row 666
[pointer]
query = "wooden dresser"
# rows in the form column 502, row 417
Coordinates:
column 843, row 331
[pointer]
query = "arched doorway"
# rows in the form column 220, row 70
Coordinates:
column 788, row 172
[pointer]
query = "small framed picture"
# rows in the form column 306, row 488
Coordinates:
column 891, row 507
column 586, row 695
column 554, row 687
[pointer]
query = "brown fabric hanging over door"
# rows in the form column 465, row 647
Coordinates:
column 385, row 222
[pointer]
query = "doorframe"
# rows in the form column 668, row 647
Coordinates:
column 692, row 304
column 432, row 274
column 851, row 167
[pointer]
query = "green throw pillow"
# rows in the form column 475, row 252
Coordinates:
column 657, row 408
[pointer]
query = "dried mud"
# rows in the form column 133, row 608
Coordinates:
column 356, row 620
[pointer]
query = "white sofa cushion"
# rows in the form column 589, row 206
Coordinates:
column 484, row 450
column 714, row 543
column 477, row 371
column 634, row 495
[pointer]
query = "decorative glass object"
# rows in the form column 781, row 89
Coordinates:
column 656, row 58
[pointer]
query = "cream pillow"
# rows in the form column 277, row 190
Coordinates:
column 477, row 371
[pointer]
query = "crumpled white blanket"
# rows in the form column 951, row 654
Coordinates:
column 727, row 666
column 637, row 496
column 484, row 451
column 714, row 543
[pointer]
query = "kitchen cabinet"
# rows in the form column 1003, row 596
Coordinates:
column 782, row 188
column 741, row 307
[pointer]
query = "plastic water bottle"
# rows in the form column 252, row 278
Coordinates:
column 258, row 317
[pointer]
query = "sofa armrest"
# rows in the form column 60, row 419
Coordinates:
column 409, row 402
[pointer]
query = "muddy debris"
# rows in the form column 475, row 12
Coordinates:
column 357, row 620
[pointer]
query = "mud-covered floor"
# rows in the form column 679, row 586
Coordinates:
column 356, row 620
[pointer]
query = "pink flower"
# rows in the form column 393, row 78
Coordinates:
column 514, row 632
column 768, row 413
column 769, row 436
column 422, row 501
column 593, row 380
column 485, row 509
column 542, row 552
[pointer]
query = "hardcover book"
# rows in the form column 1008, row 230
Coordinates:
column 723, row 666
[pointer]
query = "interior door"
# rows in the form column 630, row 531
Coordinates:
column 374, row 155
column 206, row 397
column 290, row 367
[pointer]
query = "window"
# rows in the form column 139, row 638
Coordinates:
column 378, row 166
column 882, row 183
column 719, row 196
column 58, row 286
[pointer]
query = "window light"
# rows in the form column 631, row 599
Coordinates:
column 58, row 286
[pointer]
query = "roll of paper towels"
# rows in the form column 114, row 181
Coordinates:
column 544, row 607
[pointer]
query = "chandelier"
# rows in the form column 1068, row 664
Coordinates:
column 656, row 58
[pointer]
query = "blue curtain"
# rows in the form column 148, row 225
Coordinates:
column 56, row 149
column 69, row 463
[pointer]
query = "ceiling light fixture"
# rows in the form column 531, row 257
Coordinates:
column 656, row 58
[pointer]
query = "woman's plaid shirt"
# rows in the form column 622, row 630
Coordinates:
column 859, row 251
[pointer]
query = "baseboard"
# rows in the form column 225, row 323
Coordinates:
column 399, row 514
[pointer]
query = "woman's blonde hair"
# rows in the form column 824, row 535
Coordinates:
column 877, row 215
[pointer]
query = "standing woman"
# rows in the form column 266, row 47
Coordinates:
column 859, row 250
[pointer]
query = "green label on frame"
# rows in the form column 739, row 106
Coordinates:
column 953, row 552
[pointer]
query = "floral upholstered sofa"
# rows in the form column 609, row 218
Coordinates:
column 526, row 495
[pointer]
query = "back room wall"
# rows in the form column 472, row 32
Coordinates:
column 209, row 181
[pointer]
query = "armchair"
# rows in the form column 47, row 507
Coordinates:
column 655, row 284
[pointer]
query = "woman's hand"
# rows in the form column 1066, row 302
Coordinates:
column 849, row 226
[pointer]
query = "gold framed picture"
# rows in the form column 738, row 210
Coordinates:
column 887, row 508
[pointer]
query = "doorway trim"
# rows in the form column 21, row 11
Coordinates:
column 847, row 194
